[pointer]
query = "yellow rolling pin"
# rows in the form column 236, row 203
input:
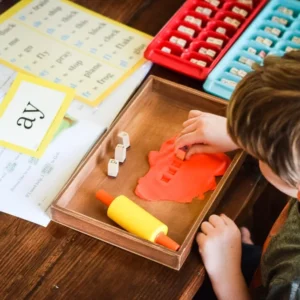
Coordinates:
column 136, row 220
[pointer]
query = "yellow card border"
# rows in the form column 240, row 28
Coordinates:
column 23, row 3
column 56, row 121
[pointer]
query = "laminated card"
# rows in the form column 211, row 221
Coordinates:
column 65, row 43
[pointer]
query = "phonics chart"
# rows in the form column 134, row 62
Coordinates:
column 65, row 43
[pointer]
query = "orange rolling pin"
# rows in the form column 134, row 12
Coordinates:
column 136, row 220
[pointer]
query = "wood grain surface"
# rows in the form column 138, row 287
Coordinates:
column 154, row 115
column 59, row 263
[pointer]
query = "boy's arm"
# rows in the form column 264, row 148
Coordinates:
column 231, row 287
column 221, row 251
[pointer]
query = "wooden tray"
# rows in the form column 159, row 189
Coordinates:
column 155, row 114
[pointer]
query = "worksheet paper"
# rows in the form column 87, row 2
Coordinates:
column 65, row 43
column 100, row 59
column 29, row 185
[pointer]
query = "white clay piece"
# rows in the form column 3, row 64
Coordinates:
column 229, row 82
column 186, row 30
column 123, row 139
column 120, row 153
column 113, row 168
column 166, row 49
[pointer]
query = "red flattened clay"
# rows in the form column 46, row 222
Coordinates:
column 170, row 178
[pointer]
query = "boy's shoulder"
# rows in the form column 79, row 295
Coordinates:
column 288, row 291
column 280, row 265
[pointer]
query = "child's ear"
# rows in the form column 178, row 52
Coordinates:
column 298, row 194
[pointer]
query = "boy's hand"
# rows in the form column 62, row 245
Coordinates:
column 207, row 133
column 220, row 247
column 221, row 251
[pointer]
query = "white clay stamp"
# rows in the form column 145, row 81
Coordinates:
column 289, row 49
column 123, row 139
column 246, row 2
column 286, row 11
column 268, row 42
column 189, row 19
column 221, row 30
column 276, row 31
column 113, row 168
column 181, row 43
column 198, row 62
column 236, row 10
column 207, row 11
column 173, row 39
column 186, row 30
column 201, row 63
column 232, row 22
column 259, row 39
column 296, row 39
column 243, row 12
column 235, row 23
column 215, row 41
column 166, row 49
column 239, row 11
column 268, row 29
column 197, row 22
column 229, row 82
column 211, row 53
column 242, row 73
column 202, row 50
column 120, row 153
column 215, row 3
column 252, row 50
column 249, row 62
column 193, row 20
column 243, row 59
column 280, row 20
column 234, row 71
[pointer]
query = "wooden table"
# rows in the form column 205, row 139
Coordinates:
column 60, row 263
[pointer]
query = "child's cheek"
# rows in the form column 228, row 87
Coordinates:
column 276, row 181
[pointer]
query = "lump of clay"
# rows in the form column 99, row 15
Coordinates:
column 170, row 178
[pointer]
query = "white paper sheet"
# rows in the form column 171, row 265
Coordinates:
column 28, row 185
column 65, row 43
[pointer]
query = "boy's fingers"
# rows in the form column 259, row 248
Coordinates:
column 192, row 127
column 227, row 220
column 189, row 122
column 216, row 221
column 206, row 227
column 187, row 139
column 194, row 113
column 200, row 238
column 195, row 149
column 199, row 148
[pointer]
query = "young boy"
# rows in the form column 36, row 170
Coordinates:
column 263, row 118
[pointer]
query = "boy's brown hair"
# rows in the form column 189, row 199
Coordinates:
column 264, row 115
